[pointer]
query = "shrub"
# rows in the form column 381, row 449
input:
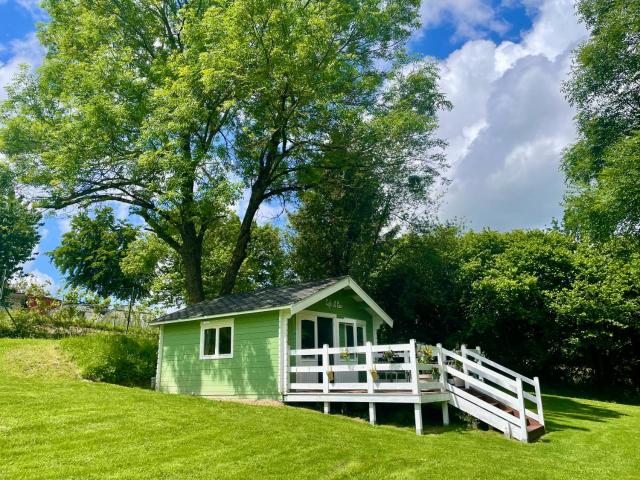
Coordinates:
column 122, row 359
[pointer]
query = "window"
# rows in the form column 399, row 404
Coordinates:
column 216, row 339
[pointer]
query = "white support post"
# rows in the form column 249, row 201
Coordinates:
column 325, row 372
column 370, row 382
column 479, row 352
column 415, row 385
column 538, row 393
column 372, row 413
column 326, row 407
column 417, row 412
column 443, row 370
column 287, row 368
column 465, row 370
column 445, row 413
column 158, row 378
column 522, row 410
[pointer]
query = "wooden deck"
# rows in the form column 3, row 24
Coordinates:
column 417, row 374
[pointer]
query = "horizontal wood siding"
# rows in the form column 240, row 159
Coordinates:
column 251, row 373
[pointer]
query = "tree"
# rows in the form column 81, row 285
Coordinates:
column 603, row 166
column 162, row 105
column 267, row 263
column 91, row 252
column 19, row 223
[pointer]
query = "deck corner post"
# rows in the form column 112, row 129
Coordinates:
column 445, row 413
column 372, row 413
column 538, row 394
column 415, row 381
column 369, row 362
column 417, row 412
column 325, row 372
column 442, row 367
column 522, row 411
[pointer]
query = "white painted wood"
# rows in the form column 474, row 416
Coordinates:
column 445, row 413
column 460, row 393
column 441, row 365
column 159, row 358
column 414, row 368
column 382, row 386
column 372, row 413
column 484, row 388
column 283, row 319
column 216, row 325
column 405, row 398
column 463, row 354
column 538, row 400
column 370, row 367
column 403, row 347
column 522, row 411
column 327, row 407
column 430, row 386
column 305, row 386
column 287, row 359
column 480, row 413
column 326, row 366
column 499, row 367
column 417, row 412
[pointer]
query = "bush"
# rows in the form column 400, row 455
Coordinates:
column 121, row 359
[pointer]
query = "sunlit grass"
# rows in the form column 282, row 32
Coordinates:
column 56, row 426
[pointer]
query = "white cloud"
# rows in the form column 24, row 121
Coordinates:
column 510, row 123
column 25, row 51
column 471, row 18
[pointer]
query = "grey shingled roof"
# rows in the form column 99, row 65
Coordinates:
column 249, row 301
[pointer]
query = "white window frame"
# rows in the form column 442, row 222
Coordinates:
column 216, row 324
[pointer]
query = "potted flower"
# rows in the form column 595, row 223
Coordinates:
column 389, row 355
column 425, row 353
column 374, row 374
column 330, row 375
column 344, row 355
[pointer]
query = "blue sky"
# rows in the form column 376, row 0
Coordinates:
column 502, row 65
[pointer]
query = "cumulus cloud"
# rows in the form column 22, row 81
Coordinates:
column 471, row 18
column 24, row 51
column 510, row 123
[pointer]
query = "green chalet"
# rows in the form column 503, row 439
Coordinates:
column 235, row 346
column 318, row 342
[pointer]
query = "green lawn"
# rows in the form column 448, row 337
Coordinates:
column 54, row 425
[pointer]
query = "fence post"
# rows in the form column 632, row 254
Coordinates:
column 325, row 371
column 441, row 365
column 522, row 410
column 538, row 393
column 415, row 381
column 465, row 370
column 369, row 362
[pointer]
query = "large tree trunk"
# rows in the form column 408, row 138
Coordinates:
column 240, row 250
column 191, row 254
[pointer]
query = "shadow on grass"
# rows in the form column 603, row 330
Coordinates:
column 561, row 413
column 395, row 415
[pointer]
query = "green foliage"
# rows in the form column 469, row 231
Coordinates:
column 164, row 106
column 267, row 263
column 18, row 226
column 90, row 254
column 122, row 359
column 602, row 168
column 537, row 301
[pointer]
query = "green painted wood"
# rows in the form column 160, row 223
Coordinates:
column 251, row 373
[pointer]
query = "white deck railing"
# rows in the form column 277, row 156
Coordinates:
column 386, row 368
column 414, row 369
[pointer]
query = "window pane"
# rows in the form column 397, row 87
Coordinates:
column 210, row 341
column 360, row 334
column 325, row 331
column 307, row 334
column 349, row 336
column 225, row 341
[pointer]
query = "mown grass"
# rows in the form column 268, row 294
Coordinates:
column 56, row 426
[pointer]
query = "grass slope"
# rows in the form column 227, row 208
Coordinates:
column 56, row 426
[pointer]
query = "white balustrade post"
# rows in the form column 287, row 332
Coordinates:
column 413, row 362
column 417, row 412
column 370, row 368
column 521, row 410
column 479, row 352
column 538, row 393
column 442, row 366
column 325, row 369
column 465, row 370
